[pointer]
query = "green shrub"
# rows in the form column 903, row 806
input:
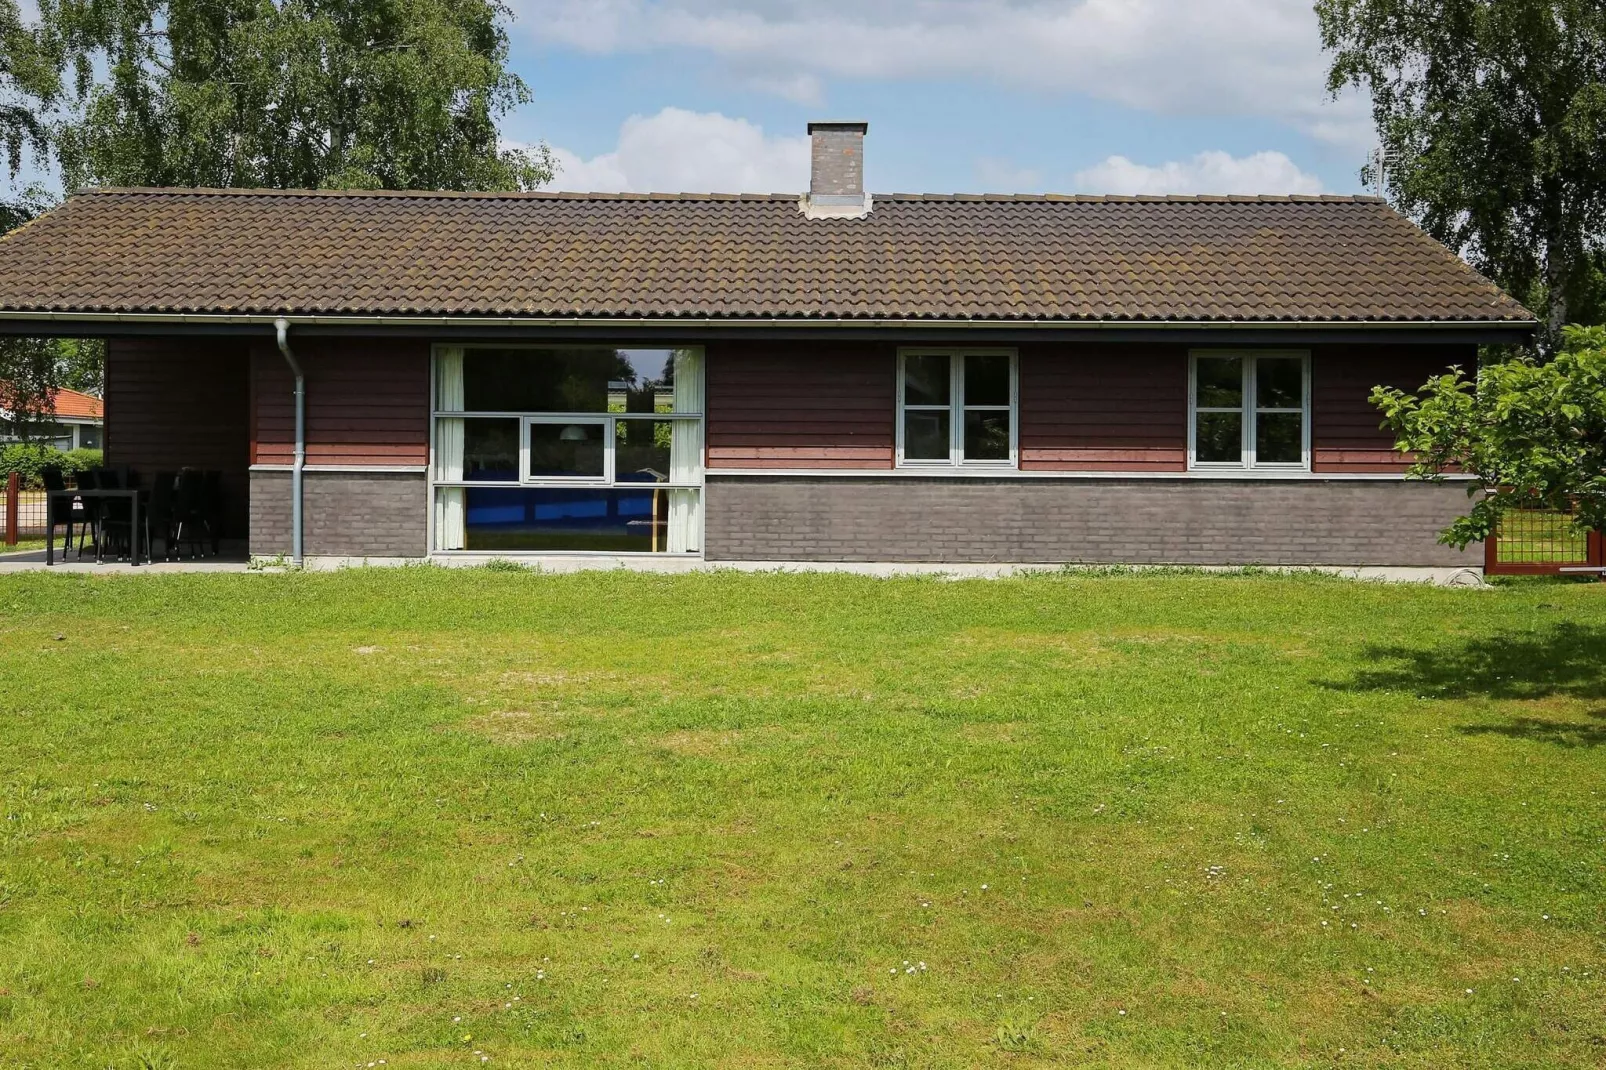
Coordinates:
column 29, row 459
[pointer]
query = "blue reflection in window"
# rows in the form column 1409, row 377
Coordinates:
column 531, row 518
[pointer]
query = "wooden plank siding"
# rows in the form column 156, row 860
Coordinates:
column 181, row 403
column 367, row 402
column 1346, row 431
column 801, row 405
column 1084, row 407
column 1104, row 408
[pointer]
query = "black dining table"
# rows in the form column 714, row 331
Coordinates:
column 132, row 494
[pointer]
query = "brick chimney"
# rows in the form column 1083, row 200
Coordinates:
column 836, row 179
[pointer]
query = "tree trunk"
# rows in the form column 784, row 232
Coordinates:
column 1556, row 288
column 1556, row 274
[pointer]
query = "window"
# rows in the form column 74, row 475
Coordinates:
column 1250, row 410
column 568, row 448
column 956, row 407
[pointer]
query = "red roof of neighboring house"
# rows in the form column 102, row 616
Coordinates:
column 66, row 403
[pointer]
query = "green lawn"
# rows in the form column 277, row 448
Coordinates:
column 429, row 817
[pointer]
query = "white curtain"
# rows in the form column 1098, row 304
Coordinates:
column 450, row 530
column 686, row 455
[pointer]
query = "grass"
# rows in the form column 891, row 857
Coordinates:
column 432, row 817
column 26, row 545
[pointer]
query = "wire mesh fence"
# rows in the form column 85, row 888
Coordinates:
column 1537, row 540
column 25, row 513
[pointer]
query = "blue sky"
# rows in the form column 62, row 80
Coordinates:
column 1120, row 96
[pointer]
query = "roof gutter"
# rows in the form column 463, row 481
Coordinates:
column 890, row 323
column 281, row 329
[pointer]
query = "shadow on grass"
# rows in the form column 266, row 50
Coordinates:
column 1539, row 730
column 1563, row 660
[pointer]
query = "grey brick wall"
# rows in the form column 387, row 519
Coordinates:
column 836, row 161
column 1091, row 521
column 345, row 514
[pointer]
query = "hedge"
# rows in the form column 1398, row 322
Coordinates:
column 30, row 458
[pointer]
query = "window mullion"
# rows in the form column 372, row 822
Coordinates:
column 956, row 409
column 610, row 433
column 1249, row 406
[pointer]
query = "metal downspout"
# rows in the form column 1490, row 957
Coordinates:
column 282, row 328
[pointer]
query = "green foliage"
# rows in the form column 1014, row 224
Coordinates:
column 28, row 371
column 1532, row 432
column 30, row 368
column 81, row 364
column 1494, row 115
column 25, row 78
column 31, row 458
column 396, row 94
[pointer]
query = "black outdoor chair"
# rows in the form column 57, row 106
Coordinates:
column 190, row 509
column 67, row 512
column 159, row 517
column 116, row 514
column 212, row 487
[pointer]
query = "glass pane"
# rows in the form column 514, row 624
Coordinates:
column 986, row 435
column 1220, row 382
column 987, row 380
column 1220, row 438
column 567, row 451
column 491, row 449
column 925, row 381
column 568, row 379
column 925, row 435
column 1279, row 438
column 536, row 519
column 641, row 450
column 1279, row 383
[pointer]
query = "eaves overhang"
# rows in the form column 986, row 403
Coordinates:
column 95, row 323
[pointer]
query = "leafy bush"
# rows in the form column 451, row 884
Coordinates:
column 31, row 458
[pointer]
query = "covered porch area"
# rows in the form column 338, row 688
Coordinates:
column 173, row 484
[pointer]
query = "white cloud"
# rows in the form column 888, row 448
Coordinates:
column 1208, row 172
column 1183, row 57
column 680, row 151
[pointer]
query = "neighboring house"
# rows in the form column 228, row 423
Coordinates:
column 896, row 378
column 71, row 421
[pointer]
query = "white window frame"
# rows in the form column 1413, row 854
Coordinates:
column 609, row 439
column 956, row 408
column 1249, row 410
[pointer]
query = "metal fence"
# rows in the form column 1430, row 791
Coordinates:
column 1538, row 542
column 26, row 512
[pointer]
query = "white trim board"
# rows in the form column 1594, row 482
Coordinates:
column 377, row 469
column 1010, row 475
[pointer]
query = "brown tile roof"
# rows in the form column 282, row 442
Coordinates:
column 68, row 404
column 1227, row 259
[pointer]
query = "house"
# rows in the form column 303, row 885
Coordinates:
column 70, row 420
column 827, row 377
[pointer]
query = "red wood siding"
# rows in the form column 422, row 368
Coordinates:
column 1346, row 435
column 1104, row 408
column 801, row 405
column 181, row 403
column 367, row 402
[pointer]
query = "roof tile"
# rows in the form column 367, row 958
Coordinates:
column 1053, row 258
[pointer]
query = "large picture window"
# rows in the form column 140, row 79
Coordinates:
column 956, row 407
column 568, row 448
column 1249, row 410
